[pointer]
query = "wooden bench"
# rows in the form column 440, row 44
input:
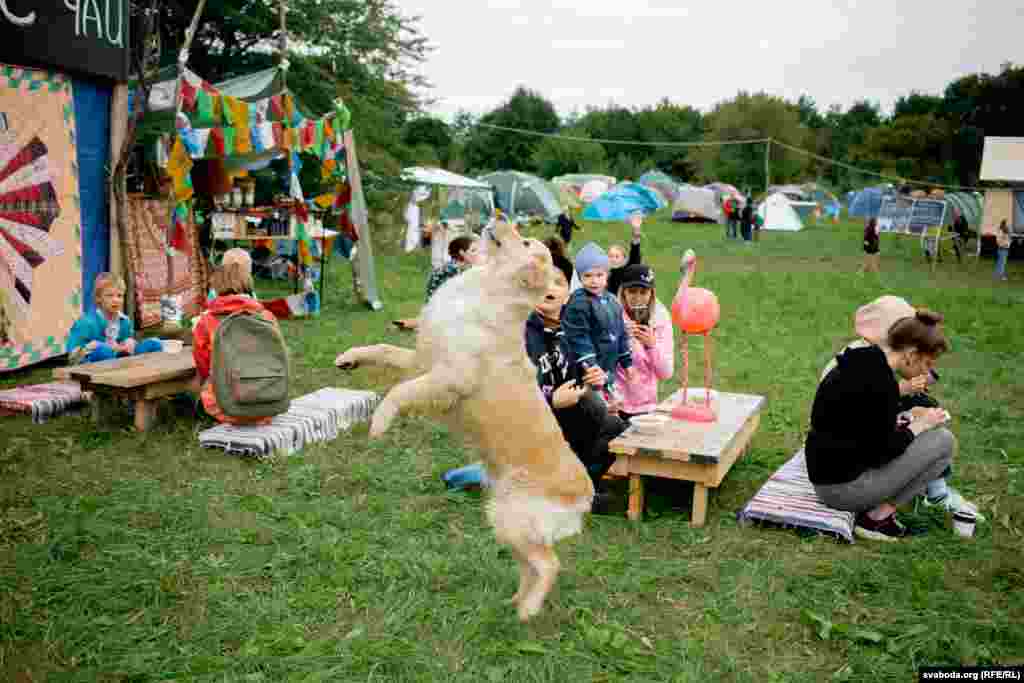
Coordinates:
column 144, row 379
column 702, row 453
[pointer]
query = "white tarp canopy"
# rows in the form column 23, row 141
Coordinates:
column 1003, row 159
column 778, row 213
column 439, row 176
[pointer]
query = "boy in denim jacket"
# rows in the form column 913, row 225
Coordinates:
column 593, row 323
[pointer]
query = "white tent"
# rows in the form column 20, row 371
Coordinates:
column 697, row 204
column 778, row 213
column 592, row 190
column 439, row 176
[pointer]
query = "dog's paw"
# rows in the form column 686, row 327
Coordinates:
column 382, row 419
column 527, row 610
column 347, row 360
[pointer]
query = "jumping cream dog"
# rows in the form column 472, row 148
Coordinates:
column 472, row 369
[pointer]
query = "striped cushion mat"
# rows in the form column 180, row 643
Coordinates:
column 43, row 401
column 788, row 499
column 319, row 416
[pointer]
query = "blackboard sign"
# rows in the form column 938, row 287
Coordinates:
column 77, row 36
column 927, row 213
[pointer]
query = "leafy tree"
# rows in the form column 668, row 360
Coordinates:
column 556, row 157
column 431, row 132
column 912, row 146
column 981, row 105
column 752, row 116
column 668, row 122
column 918, row 104
column 493, row 149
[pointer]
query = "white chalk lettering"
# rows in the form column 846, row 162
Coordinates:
column 119, row 40
column 88, row 16
column 26, row 20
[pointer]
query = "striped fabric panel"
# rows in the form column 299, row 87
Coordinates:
column 788, row 499
column 317, row 417
column 43, row 401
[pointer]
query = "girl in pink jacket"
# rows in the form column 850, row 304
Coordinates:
column 649, row 325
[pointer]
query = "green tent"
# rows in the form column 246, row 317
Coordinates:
column 524, row 194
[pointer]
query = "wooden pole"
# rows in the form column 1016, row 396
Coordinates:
column 767, row 165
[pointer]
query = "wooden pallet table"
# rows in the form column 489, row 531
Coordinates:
column 702, row 453
column 144, row 379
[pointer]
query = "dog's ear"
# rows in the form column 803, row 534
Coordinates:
column 505, row 231
column 537, row 272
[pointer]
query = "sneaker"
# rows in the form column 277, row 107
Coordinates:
column 887, row 530
column 952, row 503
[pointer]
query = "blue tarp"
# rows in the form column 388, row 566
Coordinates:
column 92, row 140
column 866, row 203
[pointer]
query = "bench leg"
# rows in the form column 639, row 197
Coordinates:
column 700, row 506
column 145, row 414
column 636, row 498
column 102, row 407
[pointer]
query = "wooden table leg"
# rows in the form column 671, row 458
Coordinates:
column 700, row 506
column 636, row 498
column 102, row 406
column 145, row 414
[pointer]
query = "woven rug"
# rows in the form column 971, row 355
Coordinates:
column 147, row 222
column 788, row 499
column 319, row 416
column 43, row 401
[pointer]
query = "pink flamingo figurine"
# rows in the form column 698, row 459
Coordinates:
column 694, row 311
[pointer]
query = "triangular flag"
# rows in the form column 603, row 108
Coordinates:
column 188, row 96
column 202, row 138
column 278, row 131
column 276, row 108
column 216, row 143
column 229, row 141
column 204, row 109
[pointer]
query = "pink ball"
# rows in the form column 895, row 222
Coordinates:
column 701, row 314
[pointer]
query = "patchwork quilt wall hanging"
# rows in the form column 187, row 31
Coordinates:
column 40, row 225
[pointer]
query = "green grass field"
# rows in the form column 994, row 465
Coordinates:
column 128, row 557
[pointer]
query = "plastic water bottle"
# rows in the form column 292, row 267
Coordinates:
column 467, row 476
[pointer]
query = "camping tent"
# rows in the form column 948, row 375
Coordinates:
column 697, row 205
column 465, row 194
column 567, row 195
column 580, row 179
column 968, row 204
column 661, row 182
column 778, row 213
column 867, row 202
column 522, row 194
column 592, row 189
column 723, row 190
column 614, row 206
column 1003, row 161
column 651, row 199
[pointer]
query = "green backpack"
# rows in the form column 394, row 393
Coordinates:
column 250, row 366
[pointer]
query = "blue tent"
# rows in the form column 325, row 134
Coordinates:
column 650, row 199
column 867, row 203
column 613, row 206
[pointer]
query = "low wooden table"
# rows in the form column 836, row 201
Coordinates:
column 689, row 451
column 144, row 379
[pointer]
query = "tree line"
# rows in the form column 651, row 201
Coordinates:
column 935, row 138
column 368, row 52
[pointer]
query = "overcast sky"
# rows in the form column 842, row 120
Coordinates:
column 634, row 52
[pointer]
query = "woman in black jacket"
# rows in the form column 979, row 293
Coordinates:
column 586, row 424
column 860, row 457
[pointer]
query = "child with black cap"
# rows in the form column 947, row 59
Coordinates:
column 649, row 327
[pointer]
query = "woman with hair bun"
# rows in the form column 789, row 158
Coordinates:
column 860, row 456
